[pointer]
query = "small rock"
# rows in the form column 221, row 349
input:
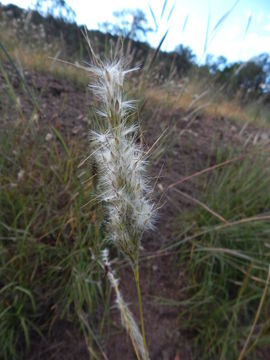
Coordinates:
column 255, row 140
column 76, row 129
column 264, row 136
column 20, row 175
column 155, row 267
column 166, row 354
column 192, row 132
column 86, row 120
column 53, row 167
column 48, row 137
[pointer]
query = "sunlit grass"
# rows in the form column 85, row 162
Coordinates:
column 41, row 60
column 209, row 103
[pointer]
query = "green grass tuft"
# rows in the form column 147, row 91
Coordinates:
column 50, row 240
column 228, row 261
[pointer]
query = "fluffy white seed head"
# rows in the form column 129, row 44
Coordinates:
column 108, row 88
column 120, row 163
column 123, row 188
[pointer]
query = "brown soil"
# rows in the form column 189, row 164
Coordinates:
column 66, row 108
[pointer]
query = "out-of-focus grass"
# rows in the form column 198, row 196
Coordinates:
column 45, row 64
column 194, row 92
column 41, row 61
column 50, row 239
column 192, row 96
column 228, row 261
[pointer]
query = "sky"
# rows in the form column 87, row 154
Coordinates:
column 243, row 34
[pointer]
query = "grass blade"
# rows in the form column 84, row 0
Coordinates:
column 62, row 141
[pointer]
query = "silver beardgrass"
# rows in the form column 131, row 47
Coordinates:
column 121, row 165
column 122, row 184
column 128, row 321
column 123, row 189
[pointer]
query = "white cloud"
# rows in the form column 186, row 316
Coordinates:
column 254, row 43
column 267, row 27
column 259, row 17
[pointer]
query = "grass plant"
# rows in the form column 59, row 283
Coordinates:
column 120, row 167
column 48, row 237
column 228, row 259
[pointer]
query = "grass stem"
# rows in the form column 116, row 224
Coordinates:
column 137, row 279
column 243, row 351
column 128, row 325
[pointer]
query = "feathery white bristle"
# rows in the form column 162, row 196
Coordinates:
column 108, row 88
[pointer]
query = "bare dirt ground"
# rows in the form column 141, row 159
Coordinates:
column 162, row 276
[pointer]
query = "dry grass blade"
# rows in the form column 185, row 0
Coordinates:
column 218, row 216
column 223, row 18
column 188, row 239
column 197, row 98
column 77, row 66
column 153, row 16
column 207, row 33
column 171, row 12
column 243, row 351
column 185, row 24
column 243, row 221
column 92, row 53
column 225, row 251
column 84, row 321
column 248, row 24
column 150, row 150
column 211, row 168
column 163, row 8
column 157, row 50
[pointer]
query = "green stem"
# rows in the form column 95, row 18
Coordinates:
column 136, row 275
